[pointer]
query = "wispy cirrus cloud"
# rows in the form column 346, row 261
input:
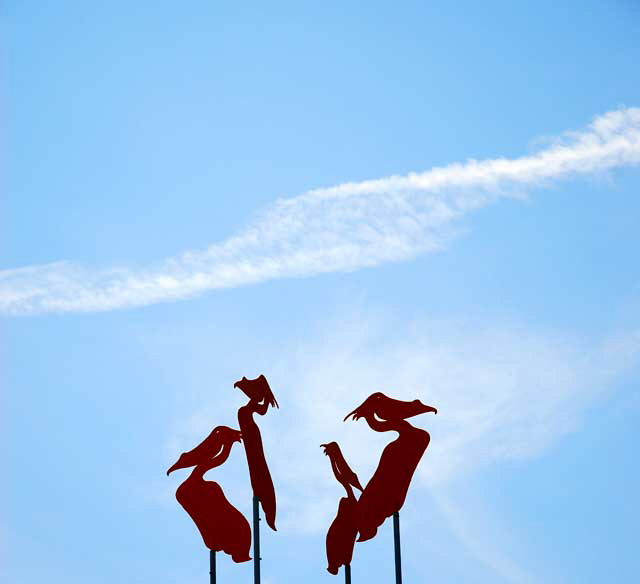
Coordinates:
column 505, row 391
column 340, row 228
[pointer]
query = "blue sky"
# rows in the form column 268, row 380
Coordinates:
column 184, row 204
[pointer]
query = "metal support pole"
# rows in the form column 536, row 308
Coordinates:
column 347, row 574
column 396, row 546
column 212, row 566
column 256, row 540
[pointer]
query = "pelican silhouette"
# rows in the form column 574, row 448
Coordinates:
column 260, row 398
column 341, row 536
column 221, row 525
column 385, row 493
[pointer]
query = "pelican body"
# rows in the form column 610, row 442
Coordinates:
column 260, row 398
column 221, row 525
column 341, row 537
column 386, row 491
column 343, row 531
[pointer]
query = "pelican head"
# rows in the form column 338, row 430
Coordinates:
column 256, row 389
column 228, row 435
column 208, row 449
column 387, row 408
column 244, row 385
column 367, row 407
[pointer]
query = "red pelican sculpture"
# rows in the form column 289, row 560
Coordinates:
column 386, row 491
column 260, row 398
column 342, row 533
column 221, row 525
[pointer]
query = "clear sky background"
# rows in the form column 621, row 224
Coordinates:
column 507, row 294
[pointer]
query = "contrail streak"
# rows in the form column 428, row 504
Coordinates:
column 340, row 228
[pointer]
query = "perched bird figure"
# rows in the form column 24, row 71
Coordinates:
column 260, row 398
column 341, row 470
column 343, row 531
column 385, row 493
column 221, row 525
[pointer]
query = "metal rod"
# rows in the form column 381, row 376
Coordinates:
column 256, row 540
column 347, row 574
column 212, row 566
column 396, row 546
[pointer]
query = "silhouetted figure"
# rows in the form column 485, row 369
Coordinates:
column 221, row 525
column 342, row 533
column 386, row 491
column 202, row 453
column 341, row 470
column 260, row 398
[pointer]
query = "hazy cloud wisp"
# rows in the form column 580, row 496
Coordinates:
column 340, row 228
column 505, row 392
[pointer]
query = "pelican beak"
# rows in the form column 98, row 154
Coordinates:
column 424, row 408
column 356, row 415
column 238, row 383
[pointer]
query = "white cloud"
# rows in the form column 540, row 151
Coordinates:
column 340, row 228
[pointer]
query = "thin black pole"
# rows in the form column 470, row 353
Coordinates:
column 256, row 540
column 396, row 546
column 212, row 566
column 347, row 574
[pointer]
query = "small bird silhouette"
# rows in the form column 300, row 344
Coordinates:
column 342, row 533
column 208, row 448
column 343, row 473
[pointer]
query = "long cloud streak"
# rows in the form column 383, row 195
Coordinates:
column 340, row 228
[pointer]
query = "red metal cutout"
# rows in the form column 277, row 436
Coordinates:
column 260, row 398
column 221, row 525
column 385, row 493
column 343, row 531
